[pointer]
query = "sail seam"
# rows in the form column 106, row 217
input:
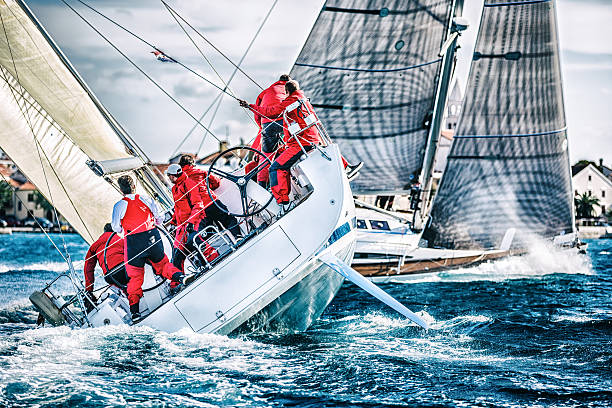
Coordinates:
column 551, row 132
column 368, row 70
column 516, row 3
column 494, row 157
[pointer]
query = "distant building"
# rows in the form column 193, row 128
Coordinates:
column 453, row 108
column 23, row 201
column 588, row 178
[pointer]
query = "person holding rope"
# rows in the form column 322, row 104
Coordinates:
column 280, row 180
column 136, row 216
column 114, row 260
column 271, row 128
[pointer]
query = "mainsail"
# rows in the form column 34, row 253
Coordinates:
column 509, row 165
column 51, row 125
column 371, row 69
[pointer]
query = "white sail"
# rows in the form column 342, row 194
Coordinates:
column 51, row 124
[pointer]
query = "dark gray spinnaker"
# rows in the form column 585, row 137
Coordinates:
column 508, row 166
column 370, row 69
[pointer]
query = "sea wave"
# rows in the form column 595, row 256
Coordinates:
column 541, row 260
column 39, row 266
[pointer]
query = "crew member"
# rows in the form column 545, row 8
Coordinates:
column 271, row 126
column 136, row 216
column 188, row 212
column 280, row 181
column 213, row 211
column 114, row 261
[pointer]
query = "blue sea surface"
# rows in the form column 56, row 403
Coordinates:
column 531, row 331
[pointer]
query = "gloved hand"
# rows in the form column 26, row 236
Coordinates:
column 243, row 103
column 90, row 302
column 189, row 228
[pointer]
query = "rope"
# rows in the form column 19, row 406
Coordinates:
column 235, row 70
column 138, row 68
column 142, row 40
column 213, row 46
column 219, row 97
column 35, row 220
column 38, row 147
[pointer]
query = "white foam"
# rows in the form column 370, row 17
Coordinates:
column 39, row 266
column 542, row 259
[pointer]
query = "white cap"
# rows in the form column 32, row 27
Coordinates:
column 174, row 170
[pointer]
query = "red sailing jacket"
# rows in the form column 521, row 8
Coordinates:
column 271, row 96
column 310, row 135
column 199, row 177
column 188, row 206
column 114, row 257
column 138, row 216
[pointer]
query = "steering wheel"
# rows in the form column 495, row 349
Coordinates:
column 236, row 176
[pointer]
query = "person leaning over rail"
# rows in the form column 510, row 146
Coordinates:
column 136, row 216
column 280, row 181
column 213, row 211
column 114, row 260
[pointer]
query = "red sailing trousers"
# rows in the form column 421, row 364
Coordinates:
column 280, row 178
column 139, row 248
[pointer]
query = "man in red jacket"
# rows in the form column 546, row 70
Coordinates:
column 212, row 212
column 136, row 216
column 271, row 126
column 114, row 258
column 114, row 261
column 188, row 212
column 280, row 181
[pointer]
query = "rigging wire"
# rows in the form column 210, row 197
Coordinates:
column 140, row 39
column 72, row 275
column 36, row 142
column 215, row 48
column 219, row 97
column 59, row 251
column 140, row 69
column 235, row 70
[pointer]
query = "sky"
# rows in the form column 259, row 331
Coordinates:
column 158, row 125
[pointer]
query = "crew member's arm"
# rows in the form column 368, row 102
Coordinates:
column 90, row 265
column 118, row 213
column 274, row 110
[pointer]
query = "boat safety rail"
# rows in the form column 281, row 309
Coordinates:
column 63, row 302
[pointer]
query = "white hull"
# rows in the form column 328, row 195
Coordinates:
column 275, row 277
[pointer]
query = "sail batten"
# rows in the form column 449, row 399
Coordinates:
column 508, row 166
column 370, row 68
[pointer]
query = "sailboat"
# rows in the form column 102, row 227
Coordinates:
column 281, row 272
column 507, row 178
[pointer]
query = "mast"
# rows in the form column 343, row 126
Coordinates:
column 371, row 70
column 509, row 165
column 448, row 54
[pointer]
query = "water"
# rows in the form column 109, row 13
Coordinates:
column 528, row 331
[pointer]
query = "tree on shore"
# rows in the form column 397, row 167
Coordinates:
column 6, row 194
column 585, row 205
